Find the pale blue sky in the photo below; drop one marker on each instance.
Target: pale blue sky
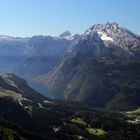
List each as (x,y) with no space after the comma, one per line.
(52,17)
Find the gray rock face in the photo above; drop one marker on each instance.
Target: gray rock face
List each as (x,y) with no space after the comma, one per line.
(113,33)
(96,67)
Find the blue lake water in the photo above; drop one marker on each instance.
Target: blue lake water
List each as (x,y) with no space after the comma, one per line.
(43,89)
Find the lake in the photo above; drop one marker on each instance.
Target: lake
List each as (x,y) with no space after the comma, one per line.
(43,89)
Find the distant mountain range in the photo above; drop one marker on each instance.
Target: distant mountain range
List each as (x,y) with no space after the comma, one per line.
(33,55)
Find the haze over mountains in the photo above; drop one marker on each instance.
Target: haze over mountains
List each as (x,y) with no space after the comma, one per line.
(35,55)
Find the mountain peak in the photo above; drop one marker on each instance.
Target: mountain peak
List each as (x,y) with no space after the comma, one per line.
(107,28)
(68,36)
(116,34)
(107,25)
(65,34)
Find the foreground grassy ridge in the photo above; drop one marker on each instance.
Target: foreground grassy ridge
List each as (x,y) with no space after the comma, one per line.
(96,131)
(93,131)
(11,94)
(79,121)
(134,116)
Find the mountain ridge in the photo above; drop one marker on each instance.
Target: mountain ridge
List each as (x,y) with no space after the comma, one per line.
(80,71)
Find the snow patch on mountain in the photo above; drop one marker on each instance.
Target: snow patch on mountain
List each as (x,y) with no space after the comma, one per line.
(103,36)
(70,37)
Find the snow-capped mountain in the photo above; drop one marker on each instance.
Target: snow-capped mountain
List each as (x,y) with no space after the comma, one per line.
(114,33)
(100,68)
